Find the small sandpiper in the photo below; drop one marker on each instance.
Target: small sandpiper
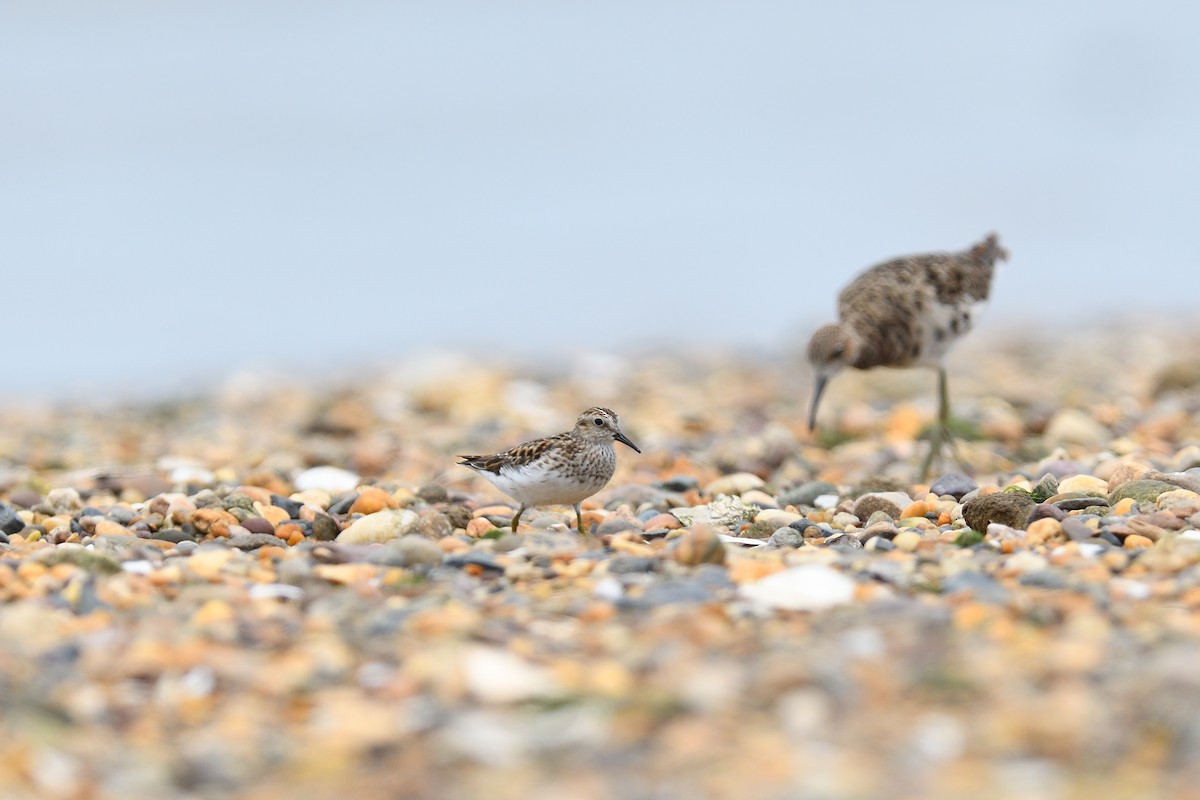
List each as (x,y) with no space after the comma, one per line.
(907,312)
(566,468)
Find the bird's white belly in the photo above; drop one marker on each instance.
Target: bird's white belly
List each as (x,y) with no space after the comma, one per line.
(538,485)
(941,331)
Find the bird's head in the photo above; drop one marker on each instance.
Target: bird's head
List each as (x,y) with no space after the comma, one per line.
(602,424)
(831,349)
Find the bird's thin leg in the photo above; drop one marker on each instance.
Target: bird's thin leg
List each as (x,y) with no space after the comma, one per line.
(517,519)
(941,431)
(579,518)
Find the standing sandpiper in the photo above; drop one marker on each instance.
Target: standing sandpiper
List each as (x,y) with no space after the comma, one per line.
(566,468)
(906,313)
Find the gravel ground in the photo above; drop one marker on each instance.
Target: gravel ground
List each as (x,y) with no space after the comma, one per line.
(281,588)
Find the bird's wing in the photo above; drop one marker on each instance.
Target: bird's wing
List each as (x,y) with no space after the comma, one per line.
(517,457)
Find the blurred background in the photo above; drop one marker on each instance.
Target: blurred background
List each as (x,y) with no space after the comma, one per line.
(192,190)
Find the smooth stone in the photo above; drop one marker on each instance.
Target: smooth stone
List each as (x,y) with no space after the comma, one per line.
(253,541)
(735,483)
(1076,501)
(410,550)
(1045,511)
(334,480)
(24,497)
(777,517)
(64,500)
(806,494)
(802,524)
(173,535)
(638,496)
(10,522)
(292,507)
(343,503)
(1183,480)
(623,565)
(1086,484)
(908,541)
(1072,426)
(1043,579)
(885,528)
(613,524)
(954,484)
(324,528)
(501,677)
(879,543)
(474,558)
(810,587)
(1045,488)
(1006,508)
(757,497)
(670,592)
(826,502)
(786,537)
(1178,497)
(432,493)
(891,503)
(700,545)
(678,483)
(382,526)
(1140,491)
(258,525)
(982,587)
(848,540)
(1077,530)
(1186,458)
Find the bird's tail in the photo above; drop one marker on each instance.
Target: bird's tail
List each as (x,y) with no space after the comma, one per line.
(988,251)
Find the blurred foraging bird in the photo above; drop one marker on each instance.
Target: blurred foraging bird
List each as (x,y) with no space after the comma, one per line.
(907,312)
(566,468)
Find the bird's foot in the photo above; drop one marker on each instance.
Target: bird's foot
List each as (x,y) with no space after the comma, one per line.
(940,437)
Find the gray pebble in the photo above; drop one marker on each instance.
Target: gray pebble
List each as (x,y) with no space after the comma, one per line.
(954,484)
(1044,579)
(432,493)
(806,493)
(1077,530)
(670,592)
(9,521)
(172,535)
(679,483)
(982,587)
(621,565)
(409,550)
(786,537)
(253,541)
(1046,511)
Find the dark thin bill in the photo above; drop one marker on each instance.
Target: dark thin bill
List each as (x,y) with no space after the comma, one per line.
(818,389)
(623,439)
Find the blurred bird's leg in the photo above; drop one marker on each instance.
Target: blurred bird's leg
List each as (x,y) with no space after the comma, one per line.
(941,430)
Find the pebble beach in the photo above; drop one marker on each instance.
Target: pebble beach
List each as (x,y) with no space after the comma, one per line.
(287,588)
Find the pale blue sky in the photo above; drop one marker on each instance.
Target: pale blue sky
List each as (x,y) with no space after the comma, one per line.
(193,187)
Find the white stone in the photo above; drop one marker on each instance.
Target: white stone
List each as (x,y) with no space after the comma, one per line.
(382,526)
(825,501)
(736,483)
(498,676)
(777,517)
(809,587)
(1072,426)
(275,591)
(608,589)
(332,479)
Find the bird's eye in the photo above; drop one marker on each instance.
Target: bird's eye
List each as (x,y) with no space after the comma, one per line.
(598,421)
(838,349)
